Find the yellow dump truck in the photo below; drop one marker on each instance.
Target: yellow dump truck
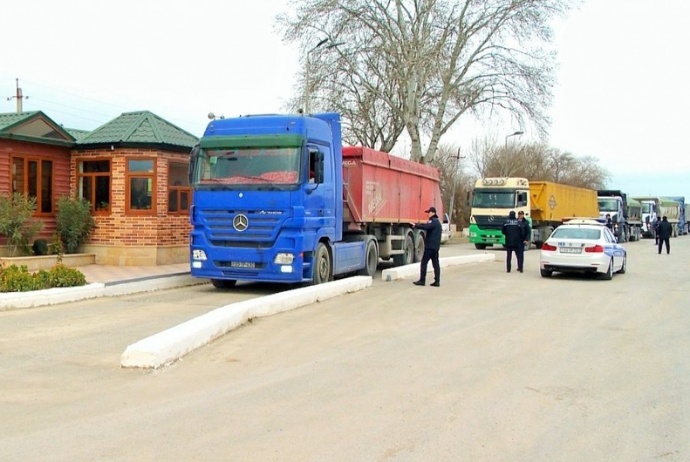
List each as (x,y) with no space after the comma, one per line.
(545,204)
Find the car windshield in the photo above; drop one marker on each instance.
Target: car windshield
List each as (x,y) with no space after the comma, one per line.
(265,165)
(570,232)
(493,198)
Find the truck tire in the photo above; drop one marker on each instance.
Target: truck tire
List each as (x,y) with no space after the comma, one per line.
(371,259)
(480,246)
(407,256)
(223,283)
(419,247)
(322,265)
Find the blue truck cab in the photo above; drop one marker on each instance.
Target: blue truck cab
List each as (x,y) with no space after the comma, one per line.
(267,202)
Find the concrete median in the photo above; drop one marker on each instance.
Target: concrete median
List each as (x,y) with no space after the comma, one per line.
(170,345)
(401,272)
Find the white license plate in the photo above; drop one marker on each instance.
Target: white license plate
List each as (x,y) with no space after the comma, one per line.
(242,264)
(570,250)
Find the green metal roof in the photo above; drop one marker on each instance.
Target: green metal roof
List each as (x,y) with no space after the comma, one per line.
(11,119)
(77,133)
(34,126)
(141,127)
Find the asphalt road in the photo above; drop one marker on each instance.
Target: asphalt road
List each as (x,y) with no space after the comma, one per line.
(489,367)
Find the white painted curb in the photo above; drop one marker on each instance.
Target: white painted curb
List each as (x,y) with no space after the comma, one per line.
(171,344)
(13,300)
(54,296)
(401,272)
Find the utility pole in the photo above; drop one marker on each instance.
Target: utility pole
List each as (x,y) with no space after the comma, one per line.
(19,96)
(457,158)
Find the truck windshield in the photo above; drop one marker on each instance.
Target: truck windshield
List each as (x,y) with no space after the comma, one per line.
(493,199)
(646,207)
(243,166)
(608,205)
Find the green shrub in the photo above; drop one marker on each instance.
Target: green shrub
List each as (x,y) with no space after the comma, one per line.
(74,222)
(64,276)
(17,222)
(40,247)
(18,279)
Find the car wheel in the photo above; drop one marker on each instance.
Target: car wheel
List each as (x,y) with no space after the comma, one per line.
(546,273)
(223,283)
(624,265)
(608,275)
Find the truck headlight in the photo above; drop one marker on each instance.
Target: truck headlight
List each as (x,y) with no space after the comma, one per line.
(284,259)
(198,254)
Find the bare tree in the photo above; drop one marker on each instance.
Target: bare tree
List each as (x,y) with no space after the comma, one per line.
(536,161)
(419,65)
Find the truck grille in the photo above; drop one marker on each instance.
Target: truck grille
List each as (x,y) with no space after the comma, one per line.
(241,228)
(490,222)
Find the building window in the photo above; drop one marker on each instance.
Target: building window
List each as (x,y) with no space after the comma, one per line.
(93,183)
(179,191)
(141,185)
(34,178)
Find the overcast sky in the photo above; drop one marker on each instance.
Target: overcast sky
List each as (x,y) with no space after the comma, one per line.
(622,93)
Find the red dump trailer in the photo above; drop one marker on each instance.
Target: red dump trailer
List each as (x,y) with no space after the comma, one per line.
(383,195)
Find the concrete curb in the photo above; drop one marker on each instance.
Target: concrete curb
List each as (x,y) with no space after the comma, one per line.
(401,272)
(36,298)
(171,344)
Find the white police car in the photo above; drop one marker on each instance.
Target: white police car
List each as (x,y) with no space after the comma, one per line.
(583,246)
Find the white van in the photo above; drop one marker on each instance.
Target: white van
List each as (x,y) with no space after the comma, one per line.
(445,229)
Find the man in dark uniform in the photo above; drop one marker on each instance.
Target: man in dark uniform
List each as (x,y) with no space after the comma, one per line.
(515,241)
(432,243)
(526,229)
(663,233)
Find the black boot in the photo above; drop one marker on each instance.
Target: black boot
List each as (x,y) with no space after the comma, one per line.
(419,283)
(435,284)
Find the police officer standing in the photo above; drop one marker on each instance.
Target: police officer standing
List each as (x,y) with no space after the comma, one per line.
(432,244)
(515,241)
(526,229)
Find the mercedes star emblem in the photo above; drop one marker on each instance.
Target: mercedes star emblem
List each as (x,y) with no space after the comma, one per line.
(240,222)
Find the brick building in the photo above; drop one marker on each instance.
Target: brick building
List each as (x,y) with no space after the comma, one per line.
(133,171)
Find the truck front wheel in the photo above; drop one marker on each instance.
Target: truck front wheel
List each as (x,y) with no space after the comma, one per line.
(322,265)
(223,283)
(480,246)
(371,260)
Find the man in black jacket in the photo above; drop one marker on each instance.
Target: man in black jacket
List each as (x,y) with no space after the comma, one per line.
(432,243)
(515,234)
(664,231)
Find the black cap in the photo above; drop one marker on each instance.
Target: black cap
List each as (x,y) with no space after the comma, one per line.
(511,214)
(430,209)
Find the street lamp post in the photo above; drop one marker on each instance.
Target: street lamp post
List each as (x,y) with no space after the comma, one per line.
(517,133)
(306,77)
